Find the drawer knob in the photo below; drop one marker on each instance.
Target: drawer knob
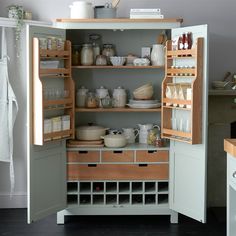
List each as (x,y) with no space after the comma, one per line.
(234,174)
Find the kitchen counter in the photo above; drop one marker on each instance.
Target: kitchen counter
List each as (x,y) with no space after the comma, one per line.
(230,146)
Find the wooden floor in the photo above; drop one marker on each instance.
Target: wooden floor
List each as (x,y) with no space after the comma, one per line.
(13,222)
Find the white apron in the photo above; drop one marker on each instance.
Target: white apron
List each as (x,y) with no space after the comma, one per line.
(8,112)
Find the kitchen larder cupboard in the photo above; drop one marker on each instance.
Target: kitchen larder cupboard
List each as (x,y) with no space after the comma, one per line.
(47,164)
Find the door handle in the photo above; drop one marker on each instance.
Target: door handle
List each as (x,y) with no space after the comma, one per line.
(234,174)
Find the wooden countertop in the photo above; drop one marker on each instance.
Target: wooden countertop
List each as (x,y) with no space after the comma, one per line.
(230,146)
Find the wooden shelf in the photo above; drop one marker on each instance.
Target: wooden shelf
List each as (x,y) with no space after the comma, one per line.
(176,101)
(39,104)
(58,134)
(182,53)
(222,92)
(117,110)
(117,67)
(60,54)
(191,72)
(194,106)
(118,20)
(177,108)
(59,71)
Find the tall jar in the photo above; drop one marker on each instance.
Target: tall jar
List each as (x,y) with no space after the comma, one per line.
(81,96)
(87,55)
(108,51)
(76,55)
(120,97)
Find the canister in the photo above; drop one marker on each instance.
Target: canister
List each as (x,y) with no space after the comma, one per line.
(65,124)
(56,125)
(47,129)
(87,54)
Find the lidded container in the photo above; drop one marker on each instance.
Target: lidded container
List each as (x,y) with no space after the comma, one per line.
(81,95)
(108,51)
(87,54)
(101,93)
(81,10)
(95,41)
(76,55)
(91,100)
(120,97)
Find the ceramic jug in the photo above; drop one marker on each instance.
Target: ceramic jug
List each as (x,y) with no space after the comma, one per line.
(158,55)
(130,134)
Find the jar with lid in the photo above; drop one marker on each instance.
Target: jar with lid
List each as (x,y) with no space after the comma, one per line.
(108,51)
(120,97)
(81,96)
(91,100)
(95,41)
(76,55)
(87,54)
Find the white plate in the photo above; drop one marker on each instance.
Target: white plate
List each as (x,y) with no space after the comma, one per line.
(144,105)
(131,101)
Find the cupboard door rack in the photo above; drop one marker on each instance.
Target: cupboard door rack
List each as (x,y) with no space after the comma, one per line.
(43,104)
(176,109)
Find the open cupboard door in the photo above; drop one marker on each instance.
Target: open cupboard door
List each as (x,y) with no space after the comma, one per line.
(188,159)
(46,163)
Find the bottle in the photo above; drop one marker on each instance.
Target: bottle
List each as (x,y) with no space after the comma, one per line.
(190,40)
(180,43)
(185,41)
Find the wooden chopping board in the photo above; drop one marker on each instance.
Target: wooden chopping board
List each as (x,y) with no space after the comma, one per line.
(82,143)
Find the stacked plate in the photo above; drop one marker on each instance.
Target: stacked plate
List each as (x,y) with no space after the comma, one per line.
(145,104)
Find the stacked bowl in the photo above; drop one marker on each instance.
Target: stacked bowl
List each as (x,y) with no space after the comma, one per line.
(144,92)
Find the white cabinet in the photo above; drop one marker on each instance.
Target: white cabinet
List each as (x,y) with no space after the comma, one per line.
(187,164)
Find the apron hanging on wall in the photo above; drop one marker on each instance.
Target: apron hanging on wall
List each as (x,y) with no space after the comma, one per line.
(8,112)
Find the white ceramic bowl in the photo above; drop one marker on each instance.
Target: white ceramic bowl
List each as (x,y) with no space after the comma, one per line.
(118,61)
(144,92)
(219,84)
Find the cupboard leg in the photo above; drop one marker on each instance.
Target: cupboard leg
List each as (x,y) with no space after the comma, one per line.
(174,218)
(60,218)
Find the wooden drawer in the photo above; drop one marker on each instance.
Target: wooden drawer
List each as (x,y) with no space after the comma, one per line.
(118,172)
(83,156)
(118,156)
(152,156)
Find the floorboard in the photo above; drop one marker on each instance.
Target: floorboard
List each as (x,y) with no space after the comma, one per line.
(13,222)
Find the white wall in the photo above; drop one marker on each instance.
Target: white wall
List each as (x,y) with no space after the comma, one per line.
(219,15)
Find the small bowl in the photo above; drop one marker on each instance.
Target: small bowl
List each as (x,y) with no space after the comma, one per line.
(118,61)
(219,84)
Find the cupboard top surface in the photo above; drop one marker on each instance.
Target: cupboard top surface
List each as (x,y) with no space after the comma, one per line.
(230,146)
(118,23)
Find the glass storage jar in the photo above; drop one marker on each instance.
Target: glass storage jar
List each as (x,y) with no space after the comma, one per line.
(87,54)
(76,55)
(91,100)
(108,51)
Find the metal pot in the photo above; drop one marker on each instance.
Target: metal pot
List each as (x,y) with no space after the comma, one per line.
(114,140)
(90,133)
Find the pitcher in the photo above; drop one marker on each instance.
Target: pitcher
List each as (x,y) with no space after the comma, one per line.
(158,55)
(130,134)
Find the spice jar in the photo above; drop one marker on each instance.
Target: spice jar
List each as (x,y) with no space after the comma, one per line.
(91,100)
(75,55)
(108,51)
(87,54)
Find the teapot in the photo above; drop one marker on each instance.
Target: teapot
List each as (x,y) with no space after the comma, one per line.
(130,134)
